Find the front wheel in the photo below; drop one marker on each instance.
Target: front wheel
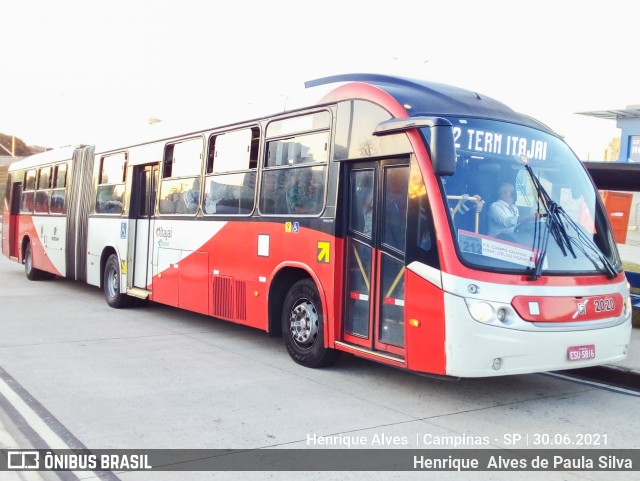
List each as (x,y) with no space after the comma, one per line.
(111,284)
(303,326)
(31,272)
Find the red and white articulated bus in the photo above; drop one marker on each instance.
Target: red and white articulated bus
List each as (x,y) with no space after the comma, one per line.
(363,223)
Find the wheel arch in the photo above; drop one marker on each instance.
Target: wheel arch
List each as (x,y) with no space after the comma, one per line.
(284,277)
(106,253)
(23,246)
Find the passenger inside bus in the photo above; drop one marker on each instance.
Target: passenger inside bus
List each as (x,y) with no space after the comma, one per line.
(57,202)
(218,196)
(272,193)
(109,199)
(42,202)
(27,202)
(304,192)
(192,197)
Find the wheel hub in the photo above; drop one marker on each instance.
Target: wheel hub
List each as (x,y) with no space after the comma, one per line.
(112,284)
(304,323)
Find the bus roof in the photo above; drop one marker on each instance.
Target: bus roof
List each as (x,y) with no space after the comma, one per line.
(425,98)
(47,157)
(431,98)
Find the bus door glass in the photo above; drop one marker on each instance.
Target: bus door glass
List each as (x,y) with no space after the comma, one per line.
(374,304)
(144,195)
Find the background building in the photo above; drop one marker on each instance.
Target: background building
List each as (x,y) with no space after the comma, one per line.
(621,173)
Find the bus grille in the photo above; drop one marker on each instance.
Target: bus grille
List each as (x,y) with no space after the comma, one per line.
(229,298)
(223,297)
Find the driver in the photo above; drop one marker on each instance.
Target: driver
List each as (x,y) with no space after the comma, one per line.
(503,213)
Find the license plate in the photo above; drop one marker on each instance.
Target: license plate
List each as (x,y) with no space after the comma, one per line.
(581,353)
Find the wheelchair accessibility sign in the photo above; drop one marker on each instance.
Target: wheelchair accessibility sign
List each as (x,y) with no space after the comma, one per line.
(292,227)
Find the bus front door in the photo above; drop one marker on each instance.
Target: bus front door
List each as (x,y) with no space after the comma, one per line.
(374,294)
(13,230)
(144,194)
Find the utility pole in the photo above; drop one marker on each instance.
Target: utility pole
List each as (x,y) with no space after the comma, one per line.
(13,147)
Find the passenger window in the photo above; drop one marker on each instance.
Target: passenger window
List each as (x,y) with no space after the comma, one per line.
(180,189)
(44,179)
(294,178)
(30,180)
(42,202)
(60,176)
(110,191)
(28,194)
(232,168)
(303,149)
(59,189)
(43,193)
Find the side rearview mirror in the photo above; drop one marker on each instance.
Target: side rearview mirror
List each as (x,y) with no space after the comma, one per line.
(442,147)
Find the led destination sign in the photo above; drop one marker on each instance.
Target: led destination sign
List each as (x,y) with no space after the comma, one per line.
(481,136)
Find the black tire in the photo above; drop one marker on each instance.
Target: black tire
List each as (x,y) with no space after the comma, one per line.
(31,272)
(111,284)
(303,326)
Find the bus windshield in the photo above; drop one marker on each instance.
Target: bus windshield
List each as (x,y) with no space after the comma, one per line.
(505,216)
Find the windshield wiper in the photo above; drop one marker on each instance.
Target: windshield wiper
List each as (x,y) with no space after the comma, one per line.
(584,242)
(557,219)
(554,224)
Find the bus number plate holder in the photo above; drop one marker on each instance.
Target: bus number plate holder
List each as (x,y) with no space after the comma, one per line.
(581,353)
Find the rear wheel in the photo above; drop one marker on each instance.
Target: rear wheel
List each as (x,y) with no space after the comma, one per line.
(111,284)
(303,326)
(31,272)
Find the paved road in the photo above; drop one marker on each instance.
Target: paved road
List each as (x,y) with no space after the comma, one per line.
(157,377)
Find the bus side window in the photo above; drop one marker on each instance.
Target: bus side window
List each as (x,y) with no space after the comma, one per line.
(231,172)
(28,191)
(43,193)
(293,181)
(59,187)
(304,190)
(272,197)
(181,175)
(110,191)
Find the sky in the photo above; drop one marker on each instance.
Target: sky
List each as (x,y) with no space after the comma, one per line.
(79,71)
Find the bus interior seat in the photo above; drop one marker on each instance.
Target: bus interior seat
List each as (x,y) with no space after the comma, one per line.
(167,206)
(180,205)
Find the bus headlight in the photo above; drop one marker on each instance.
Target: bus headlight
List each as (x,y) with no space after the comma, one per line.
(481,311)
(490,312)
